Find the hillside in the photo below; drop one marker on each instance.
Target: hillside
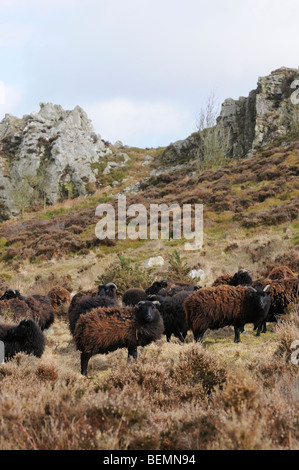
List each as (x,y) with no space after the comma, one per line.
(210,396)
(250,219)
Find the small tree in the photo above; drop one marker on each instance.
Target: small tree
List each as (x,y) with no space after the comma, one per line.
(178,269)
(21,194)
(214,143)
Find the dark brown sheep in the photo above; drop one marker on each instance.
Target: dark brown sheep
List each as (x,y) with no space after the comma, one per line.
(103,330)
(85,304)
(281,272)
(36,307)
(60,298)
(216,307)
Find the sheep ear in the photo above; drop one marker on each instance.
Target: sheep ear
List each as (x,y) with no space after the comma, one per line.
(252,289)
(265,289)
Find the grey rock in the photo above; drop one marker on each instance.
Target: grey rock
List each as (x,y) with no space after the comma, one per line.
(58,144)
(154,261)
(248,123)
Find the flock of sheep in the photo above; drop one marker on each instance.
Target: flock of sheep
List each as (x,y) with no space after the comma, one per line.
(100,322)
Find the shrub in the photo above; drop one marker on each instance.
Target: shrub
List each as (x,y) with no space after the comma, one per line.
(126,275)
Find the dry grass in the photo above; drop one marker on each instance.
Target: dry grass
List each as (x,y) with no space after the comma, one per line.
(218,395)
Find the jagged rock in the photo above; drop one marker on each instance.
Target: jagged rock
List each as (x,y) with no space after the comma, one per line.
(248,123)
(58,145)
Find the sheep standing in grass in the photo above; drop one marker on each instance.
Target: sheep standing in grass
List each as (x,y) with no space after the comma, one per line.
(25,337)
(216,307)
(103,330)
(173,314)
(283,292)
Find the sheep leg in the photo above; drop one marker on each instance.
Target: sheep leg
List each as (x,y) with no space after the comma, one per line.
(258,330)
(132,352)
(198,335)
(84,363)
(237,338)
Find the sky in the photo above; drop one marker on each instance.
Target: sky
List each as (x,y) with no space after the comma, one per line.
(141,69)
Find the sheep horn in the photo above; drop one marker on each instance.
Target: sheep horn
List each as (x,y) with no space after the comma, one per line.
(111,284)
(266,288)
(252,289)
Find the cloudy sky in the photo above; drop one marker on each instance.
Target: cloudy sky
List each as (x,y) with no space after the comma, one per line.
(142,69)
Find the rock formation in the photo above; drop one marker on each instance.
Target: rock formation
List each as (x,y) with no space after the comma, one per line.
(53,147)
(268,113)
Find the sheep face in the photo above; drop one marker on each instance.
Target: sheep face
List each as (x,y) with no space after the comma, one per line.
(260,299)
(155,287)
(11,294)
(146,312)
(241,278)
(108,289)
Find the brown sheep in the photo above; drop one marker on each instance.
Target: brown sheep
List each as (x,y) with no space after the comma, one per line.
(281,272)
(103,330)
(216,307)
(85,304)
(36,307)
(60,298)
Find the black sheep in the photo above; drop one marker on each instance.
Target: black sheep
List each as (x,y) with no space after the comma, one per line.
(167,287)
(103,330)
(133,295)
(25,337)
(173,314)
(108,290)
(283,292)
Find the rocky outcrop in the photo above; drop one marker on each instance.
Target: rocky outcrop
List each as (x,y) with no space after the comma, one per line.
(268,113)
(53,148)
